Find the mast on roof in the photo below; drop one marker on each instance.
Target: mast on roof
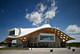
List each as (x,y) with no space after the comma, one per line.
(47,19)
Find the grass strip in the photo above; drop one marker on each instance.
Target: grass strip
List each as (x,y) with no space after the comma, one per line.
(12,49)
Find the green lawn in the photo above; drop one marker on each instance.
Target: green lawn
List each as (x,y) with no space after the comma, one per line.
(12,49)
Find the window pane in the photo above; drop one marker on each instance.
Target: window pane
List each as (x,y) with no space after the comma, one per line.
(12,33)
(46,38)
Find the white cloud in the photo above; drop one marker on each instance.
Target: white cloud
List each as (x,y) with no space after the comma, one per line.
(52,11)
(50,14)
(42,12)
(34,17)
(76,40)
(42,7)
(72,29)
(76,36)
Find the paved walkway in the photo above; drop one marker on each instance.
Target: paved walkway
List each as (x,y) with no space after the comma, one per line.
(43,51)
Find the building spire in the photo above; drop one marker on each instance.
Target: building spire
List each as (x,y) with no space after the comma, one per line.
(46,21)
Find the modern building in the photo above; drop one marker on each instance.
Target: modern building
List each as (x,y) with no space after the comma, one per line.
(44,36)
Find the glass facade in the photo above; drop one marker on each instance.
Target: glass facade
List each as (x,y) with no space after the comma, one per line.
(47,38)
(12,33)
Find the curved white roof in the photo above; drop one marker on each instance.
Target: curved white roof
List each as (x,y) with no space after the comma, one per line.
(24,31)
(30,30)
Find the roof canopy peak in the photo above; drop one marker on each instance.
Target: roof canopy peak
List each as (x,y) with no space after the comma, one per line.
(46,25)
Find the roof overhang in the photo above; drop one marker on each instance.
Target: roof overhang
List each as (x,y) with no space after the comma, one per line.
(64,37)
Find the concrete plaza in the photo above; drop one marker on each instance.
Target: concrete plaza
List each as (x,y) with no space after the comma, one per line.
(43,51)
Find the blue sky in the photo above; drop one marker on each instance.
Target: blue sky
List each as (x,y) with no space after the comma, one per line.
(13,14)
